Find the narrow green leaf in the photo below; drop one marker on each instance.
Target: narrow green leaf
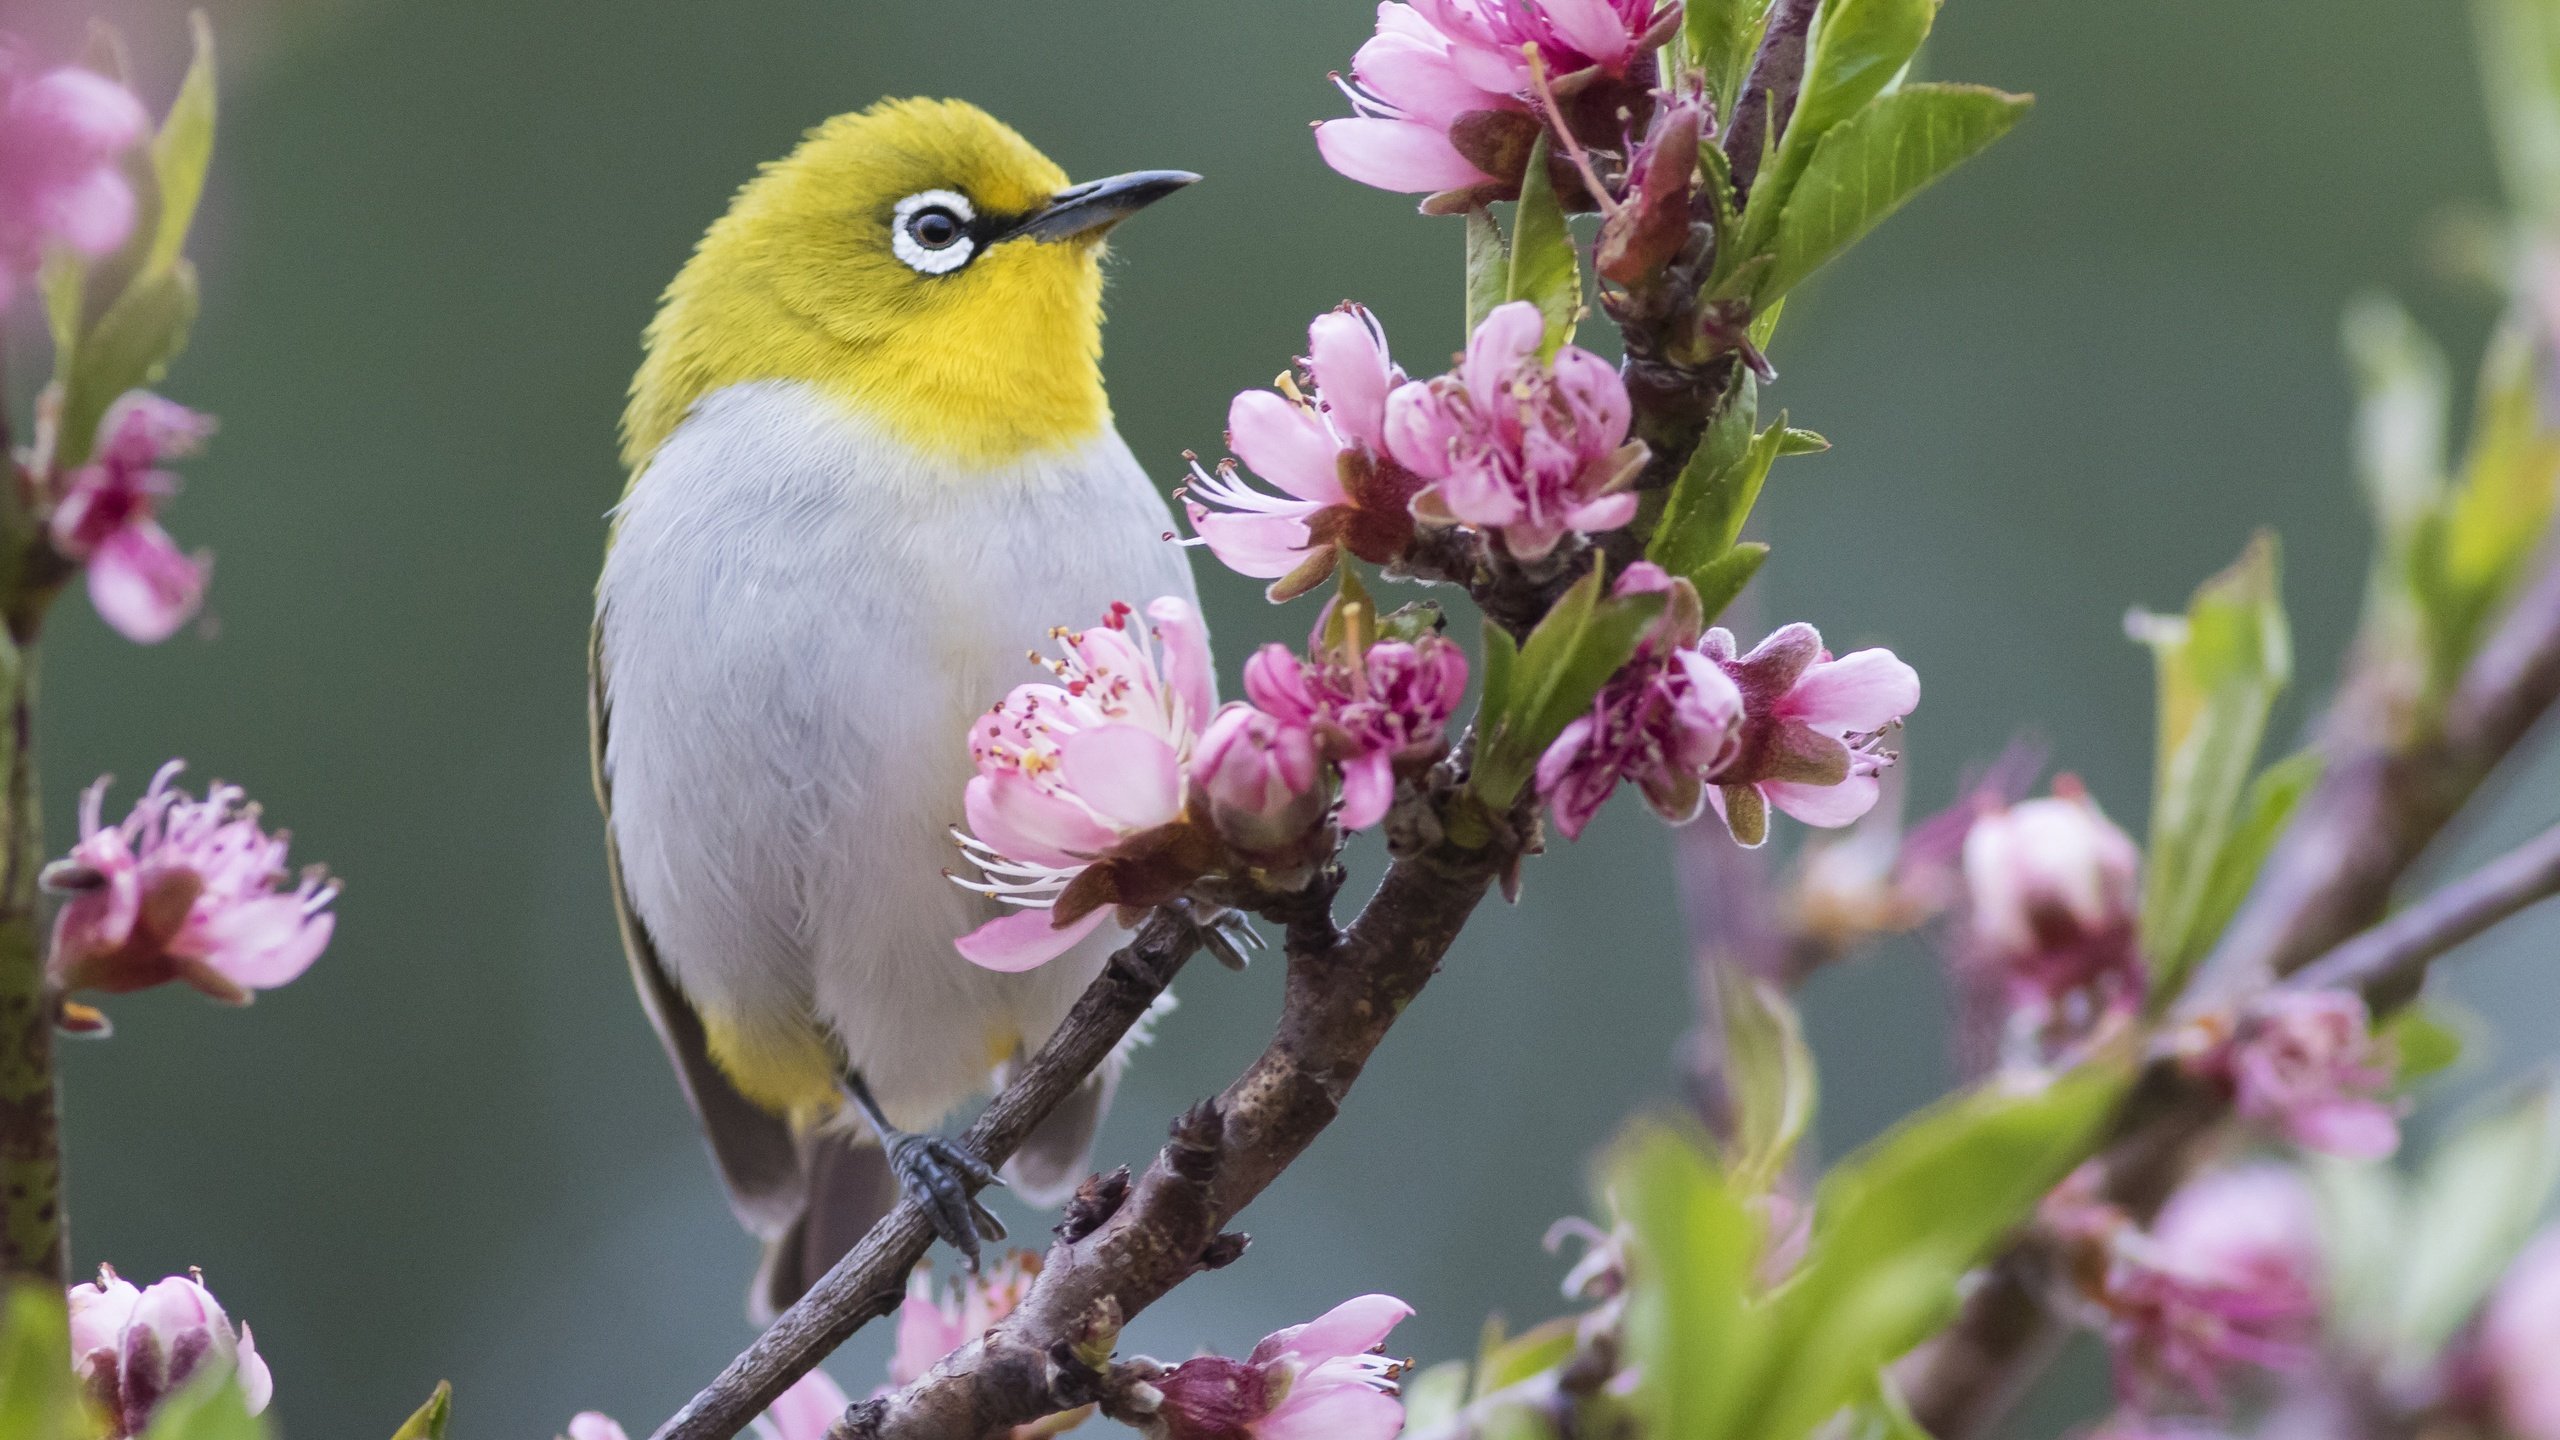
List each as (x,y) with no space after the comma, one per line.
(2474,1206)
(429,1421)
(2220,666)
(1691,1334)
(1770,1074)
(130,347)
(1503,1362)
(1720,36)
(209,1409)
(1500,655)
(2404,394)
(1433,1398)
(2264,812)
(1875,161)
(182,150)
(1488,266)
(1712,499)
(1764,326)
(1545,269)
(1803,442)
(1720,580)
(1572,653)
(1856,49)
(2362,1220)
(2520,70)
(64,282)
(38,1398)
(2498,513)
(2425,1038)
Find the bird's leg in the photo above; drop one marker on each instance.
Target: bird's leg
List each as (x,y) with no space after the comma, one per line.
(937,1174)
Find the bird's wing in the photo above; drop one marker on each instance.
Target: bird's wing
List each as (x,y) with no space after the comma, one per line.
(758,1156)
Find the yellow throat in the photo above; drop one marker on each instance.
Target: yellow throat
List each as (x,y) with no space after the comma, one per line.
(824,271)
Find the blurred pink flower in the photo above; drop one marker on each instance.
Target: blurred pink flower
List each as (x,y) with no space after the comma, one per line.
(1372,713)
(2306,1064)
(1318,1381)
(62,133)
(934,1321)
(1441,96)
(1323,443)
(2519,1342)
(1667,720)
(1527,449)
(2229,1277)
(1068,771)
(806,1411)
(139,580)
(183,889)
(1263,781)
(595,1425)
(1813,726)
(133,1349)
(2053,890)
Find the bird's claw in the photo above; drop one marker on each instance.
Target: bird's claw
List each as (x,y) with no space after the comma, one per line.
(939,1176)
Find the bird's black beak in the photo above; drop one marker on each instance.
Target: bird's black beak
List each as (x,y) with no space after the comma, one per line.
(1097,205)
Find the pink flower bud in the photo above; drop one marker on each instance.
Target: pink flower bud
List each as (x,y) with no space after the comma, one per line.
(105,517)
(933,1322)
(2053,890)
(2229,1278)
(595,1425)
(62,132)
(1527,449)
(2307,1065)
(1262,779)
(186,890)
(133,1349)
(1318,1381)
(2519,1340)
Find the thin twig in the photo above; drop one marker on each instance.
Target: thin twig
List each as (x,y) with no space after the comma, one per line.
(868,1281)
(2386,962)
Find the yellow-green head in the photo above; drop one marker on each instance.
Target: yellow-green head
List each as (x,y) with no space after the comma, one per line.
(918,260)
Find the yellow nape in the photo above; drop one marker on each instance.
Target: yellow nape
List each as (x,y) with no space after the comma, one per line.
(799,281)
(791,1075)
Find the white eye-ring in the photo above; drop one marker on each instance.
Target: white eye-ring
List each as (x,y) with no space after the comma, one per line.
(930,231)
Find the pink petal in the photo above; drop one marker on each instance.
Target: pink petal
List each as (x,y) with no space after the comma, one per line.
(1021,821)
(806,1410)
(1606,513)
(257,1383)
(1418,79)
(142,585)
(1349,362)
(1338,1412)
(267,942)
(92,214)
(1349,1328)
(1131,777)
(1285,444)
(1368,788)
(1592,27)
(1187,666)
(1420,430)
(590,1425)
(1265,546)
(1854,694)
(1598,399)
(1024,940)
(1395,155)
(1828,806)
(75,109)
(2348,1129)
(1509,335)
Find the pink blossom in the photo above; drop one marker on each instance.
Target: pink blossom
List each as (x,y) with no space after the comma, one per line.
(139,580)
(2053,890)
(934,1321)
(184,889)
(1263,781)
(133,1349)
(2306,1064)
(62,133)
(1374,713)
(2229,1277)
(2519,1338)
(806,1411)
(1442,97)
(1320,1381)
(1812,729)
(1528,449)
(1323,443)
(1069,771)
(1667,720)
(595,1425)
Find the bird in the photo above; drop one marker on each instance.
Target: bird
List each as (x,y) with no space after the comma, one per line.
(870,464)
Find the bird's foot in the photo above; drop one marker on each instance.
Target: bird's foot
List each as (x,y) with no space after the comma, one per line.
(939,1176)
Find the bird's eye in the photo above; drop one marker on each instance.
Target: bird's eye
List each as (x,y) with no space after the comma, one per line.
(930,231)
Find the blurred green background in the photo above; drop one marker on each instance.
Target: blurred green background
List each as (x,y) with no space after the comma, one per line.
(2070,380)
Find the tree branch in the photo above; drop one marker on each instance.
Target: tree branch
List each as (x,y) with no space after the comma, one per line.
(868,1282)
(1130,1245)
(2386,962)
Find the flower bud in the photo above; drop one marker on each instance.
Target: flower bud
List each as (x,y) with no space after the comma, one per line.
(2307,1065)
(2053,890)
(1262,780)
(133,1349)
(1318,1381)
(2229,1278)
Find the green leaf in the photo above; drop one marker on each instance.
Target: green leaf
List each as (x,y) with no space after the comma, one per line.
(1803,442)
(1720,36)
(1572,653)
(1502,1363)
(2361,1224)
(130,347)
(2474,1206)
(209,1409)
(1500,657)
(1720,580)
(1770,1073)
(2264,812)
(429,1421)
(1897,1225)
(2501,508)
(64,282)
(1856,49)
(1545,269)
(1488,266)
(1434,1397)
(39,1400)
(182,150)
(2425,1038)
(2404,394)
(1692,1339)
(2221,666)
(2520,68)
(1708,506)
(1874,162)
